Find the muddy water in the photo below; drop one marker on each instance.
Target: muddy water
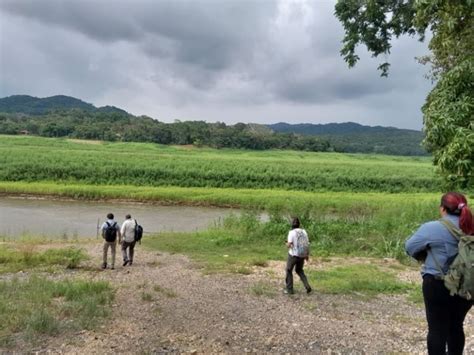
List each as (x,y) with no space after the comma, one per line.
(79,219)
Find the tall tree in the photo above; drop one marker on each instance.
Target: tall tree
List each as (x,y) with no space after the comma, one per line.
(448,113)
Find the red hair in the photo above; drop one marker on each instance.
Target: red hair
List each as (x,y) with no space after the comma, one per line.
(456,204)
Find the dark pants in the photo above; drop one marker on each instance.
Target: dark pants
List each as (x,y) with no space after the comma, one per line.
(130,246)
(445,315)
(296,263)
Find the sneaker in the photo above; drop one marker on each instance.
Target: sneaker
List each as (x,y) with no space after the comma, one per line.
(125,262)
(288,292)
(309,290)
(104,266)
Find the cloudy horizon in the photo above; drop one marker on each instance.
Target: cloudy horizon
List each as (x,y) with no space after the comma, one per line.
(229,61)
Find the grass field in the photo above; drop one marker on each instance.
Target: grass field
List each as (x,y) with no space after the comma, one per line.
(32,159)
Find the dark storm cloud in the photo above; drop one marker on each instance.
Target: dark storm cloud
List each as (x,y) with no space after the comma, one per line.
(208,34)
(172,57)
(105,21)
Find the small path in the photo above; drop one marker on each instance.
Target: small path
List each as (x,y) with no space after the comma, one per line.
(184,310)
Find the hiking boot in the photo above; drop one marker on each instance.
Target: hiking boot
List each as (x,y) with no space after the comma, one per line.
(112,268)
(288,292)
(130,263)
(104,266)
(125,262)
(309,290)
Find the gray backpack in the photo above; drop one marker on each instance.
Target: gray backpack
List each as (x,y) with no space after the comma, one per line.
(302,244)
(459,279)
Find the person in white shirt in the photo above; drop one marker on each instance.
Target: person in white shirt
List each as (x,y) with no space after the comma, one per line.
(128,235)
(298,252)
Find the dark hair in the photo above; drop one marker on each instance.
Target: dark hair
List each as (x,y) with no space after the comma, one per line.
(127,216)
(456,204)
(110,215)
(295,223)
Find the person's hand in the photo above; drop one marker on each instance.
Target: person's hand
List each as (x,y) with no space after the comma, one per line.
(307,259)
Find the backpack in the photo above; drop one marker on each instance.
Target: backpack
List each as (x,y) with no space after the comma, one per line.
(110,232)
(459,279)
(302,244)
(138,232)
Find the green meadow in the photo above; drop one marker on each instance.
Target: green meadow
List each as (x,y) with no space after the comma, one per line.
(34,159)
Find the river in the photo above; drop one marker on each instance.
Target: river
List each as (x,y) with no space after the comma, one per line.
(79,219)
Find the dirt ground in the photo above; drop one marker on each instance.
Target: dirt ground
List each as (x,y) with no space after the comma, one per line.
(166,304)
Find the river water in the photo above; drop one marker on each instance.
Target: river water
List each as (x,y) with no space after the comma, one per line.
(79,219)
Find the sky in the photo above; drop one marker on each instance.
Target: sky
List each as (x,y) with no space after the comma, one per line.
(260,61)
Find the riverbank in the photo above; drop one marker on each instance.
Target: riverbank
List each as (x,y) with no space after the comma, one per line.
(165,303)
(362,224)
(268,199)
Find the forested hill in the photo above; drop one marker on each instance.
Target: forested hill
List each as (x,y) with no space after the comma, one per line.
(39,106)
(63,116)
(353,137)
(335,128)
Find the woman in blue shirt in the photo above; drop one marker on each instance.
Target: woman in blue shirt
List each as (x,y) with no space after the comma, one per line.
(445,313)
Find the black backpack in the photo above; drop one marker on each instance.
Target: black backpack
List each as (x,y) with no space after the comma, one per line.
(110,232)
(138,232)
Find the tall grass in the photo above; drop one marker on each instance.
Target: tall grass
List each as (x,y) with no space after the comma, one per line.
(39,306)
(245,241)
(34,159)
(21,256)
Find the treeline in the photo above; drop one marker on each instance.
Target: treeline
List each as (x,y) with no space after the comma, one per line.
(121,127)
(117,126)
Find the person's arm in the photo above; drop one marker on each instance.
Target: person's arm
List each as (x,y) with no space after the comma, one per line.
(418,243)
(102,230)
(119,234)
(309,250)
(122,230)
(289,241)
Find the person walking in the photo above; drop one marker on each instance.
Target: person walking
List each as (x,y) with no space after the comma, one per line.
(298,252)
(128,242)
(437,247)
(110,232)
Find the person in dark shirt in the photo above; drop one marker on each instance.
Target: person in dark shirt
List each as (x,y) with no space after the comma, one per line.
(110,233)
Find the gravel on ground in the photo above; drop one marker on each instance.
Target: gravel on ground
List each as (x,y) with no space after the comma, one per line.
(166,304)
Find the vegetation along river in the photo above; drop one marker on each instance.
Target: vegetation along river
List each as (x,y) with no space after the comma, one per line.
(79,219)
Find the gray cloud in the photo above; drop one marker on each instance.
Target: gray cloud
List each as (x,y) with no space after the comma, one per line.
(207,59)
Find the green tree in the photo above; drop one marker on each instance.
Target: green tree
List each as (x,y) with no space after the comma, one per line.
(449,108)
(449,124)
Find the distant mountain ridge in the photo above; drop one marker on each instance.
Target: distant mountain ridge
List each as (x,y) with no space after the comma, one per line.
(333,128)
(353,137)
(39,106)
